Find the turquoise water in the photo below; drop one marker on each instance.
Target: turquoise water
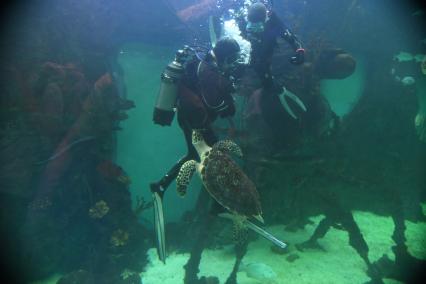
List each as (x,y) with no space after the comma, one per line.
(343,184)
(144,148)
(344,94)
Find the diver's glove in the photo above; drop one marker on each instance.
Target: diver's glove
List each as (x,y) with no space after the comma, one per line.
(299,57)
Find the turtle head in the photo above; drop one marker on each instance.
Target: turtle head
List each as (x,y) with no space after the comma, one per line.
(198,142)
(197,136)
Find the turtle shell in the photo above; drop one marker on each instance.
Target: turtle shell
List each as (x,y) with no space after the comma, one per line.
(229,185)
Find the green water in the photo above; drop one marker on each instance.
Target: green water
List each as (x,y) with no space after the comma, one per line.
(343,94)
(145,150)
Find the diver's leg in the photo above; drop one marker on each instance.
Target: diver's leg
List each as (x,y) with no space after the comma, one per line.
(171,175)
(240,252)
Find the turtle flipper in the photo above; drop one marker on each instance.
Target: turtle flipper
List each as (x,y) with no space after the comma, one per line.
(228,146)
(239,232)
(184,176)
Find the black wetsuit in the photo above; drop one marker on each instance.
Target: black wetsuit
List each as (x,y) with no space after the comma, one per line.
(204,94)
(264,43)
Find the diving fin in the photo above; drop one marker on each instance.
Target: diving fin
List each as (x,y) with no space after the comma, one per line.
(294,98)
(265,234)
(215,29)
(159,225)
(257,229)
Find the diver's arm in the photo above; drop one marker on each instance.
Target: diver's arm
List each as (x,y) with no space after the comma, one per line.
(292,39)
(284,31)
(289,37)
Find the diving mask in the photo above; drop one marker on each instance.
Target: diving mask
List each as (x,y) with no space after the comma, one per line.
(255,27)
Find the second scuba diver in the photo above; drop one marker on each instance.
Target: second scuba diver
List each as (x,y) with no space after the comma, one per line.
(263,29)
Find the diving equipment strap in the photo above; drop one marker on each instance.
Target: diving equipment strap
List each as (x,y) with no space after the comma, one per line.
(159,225)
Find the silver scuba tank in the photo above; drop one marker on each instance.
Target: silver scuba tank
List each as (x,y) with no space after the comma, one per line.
(164,110)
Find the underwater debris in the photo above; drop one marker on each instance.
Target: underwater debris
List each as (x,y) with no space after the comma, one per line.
(119,238)
(99,210)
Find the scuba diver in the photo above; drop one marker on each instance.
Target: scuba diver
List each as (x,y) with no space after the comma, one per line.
(198,85)
(262,29)
(200,94)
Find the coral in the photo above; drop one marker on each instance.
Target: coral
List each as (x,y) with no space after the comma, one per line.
(141,205)
(124,179)
(99,210)
(111,171)
(119,238)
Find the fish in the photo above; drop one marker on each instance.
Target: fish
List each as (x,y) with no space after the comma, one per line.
(419,57)
(403,56)
(408,81)
(259,271)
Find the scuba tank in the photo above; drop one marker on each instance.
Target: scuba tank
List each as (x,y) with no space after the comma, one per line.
(164,110)
(171,77)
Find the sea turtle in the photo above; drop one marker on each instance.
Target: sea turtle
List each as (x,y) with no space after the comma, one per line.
(223,178)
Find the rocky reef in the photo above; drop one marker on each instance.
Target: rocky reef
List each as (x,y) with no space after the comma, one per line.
(65,203)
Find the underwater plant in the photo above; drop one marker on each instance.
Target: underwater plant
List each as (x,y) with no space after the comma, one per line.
(141,205)
(119,238)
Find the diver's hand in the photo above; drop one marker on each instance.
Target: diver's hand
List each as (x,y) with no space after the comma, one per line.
(299,57)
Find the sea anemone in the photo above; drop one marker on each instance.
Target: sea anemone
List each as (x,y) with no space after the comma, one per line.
(119,238)
(99,210)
